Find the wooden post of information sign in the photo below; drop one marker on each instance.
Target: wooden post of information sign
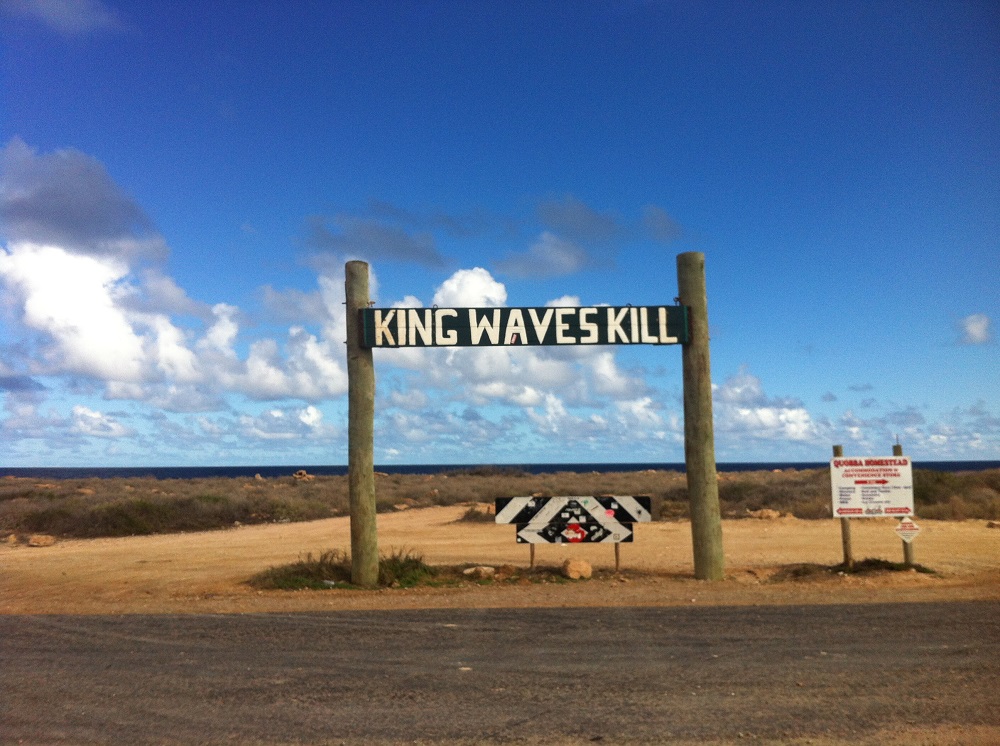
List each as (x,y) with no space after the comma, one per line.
(845,523)
(361,433)
(699,436)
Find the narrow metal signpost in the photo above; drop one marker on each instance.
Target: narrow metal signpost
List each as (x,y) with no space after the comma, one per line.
(685,324)
(907,532)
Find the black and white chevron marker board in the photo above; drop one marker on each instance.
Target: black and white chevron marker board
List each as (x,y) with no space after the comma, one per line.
(603,509)
(584,532)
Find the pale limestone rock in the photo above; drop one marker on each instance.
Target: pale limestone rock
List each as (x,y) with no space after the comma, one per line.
(577,569)
(482,572)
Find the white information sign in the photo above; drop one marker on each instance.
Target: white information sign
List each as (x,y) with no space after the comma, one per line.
(872,486)
(907,530)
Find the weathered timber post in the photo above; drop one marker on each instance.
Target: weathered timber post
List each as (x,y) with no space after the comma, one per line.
(845,523)
(897,450)
(699,436)
(360,433)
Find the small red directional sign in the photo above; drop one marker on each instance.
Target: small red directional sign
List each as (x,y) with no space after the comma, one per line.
(907,530)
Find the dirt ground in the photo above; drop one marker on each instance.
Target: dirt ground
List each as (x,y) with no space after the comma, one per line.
(206,572)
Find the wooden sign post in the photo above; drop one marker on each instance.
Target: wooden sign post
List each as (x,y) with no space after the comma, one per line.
(360,433)
(872,487)
(699,435)
(685,324)
(845,524)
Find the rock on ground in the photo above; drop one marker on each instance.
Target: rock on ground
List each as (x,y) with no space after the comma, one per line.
(577,569)
(482,572)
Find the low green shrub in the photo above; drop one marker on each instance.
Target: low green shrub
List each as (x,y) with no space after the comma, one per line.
(328,569)
(332,569)
(403,569)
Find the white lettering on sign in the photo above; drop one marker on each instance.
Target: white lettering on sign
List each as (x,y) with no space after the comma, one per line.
(562,326)
(515,333)
(382,333)
(646,338)
(444,337)
(490,326)
(541,325)
(615,325)
(589,326)
(420,323)
(465,327)
(665,338)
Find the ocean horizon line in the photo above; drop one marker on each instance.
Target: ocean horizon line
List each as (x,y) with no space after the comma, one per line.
(280,470)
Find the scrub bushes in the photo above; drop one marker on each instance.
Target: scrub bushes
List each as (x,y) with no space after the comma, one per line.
(127,506)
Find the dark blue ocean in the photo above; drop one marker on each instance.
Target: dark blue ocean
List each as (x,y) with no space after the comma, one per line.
(191,472)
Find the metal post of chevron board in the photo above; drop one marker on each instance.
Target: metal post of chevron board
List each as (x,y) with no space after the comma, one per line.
(699,436)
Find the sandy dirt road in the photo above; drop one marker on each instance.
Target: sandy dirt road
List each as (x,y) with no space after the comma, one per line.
(781,675)
(206,572)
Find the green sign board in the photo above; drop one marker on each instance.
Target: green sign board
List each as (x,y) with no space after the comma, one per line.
(488,327)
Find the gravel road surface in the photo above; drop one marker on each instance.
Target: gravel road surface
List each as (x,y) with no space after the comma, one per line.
(876,673)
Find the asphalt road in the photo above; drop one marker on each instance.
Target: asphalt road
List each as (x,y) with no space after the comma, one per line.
(500,676)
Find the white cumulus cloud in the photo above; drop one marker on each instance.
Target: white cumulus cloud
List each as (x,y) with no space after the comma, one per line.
(471,288)
(88,422)
(73,299)
(743,410)
(81,272)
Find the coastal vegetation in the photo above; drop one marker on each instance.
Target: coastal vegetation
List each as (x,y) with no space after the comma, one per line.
(85,508)
(332,568)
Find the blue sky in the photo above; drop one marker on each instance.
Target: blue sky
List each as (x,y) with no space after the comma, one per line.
(181,184)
